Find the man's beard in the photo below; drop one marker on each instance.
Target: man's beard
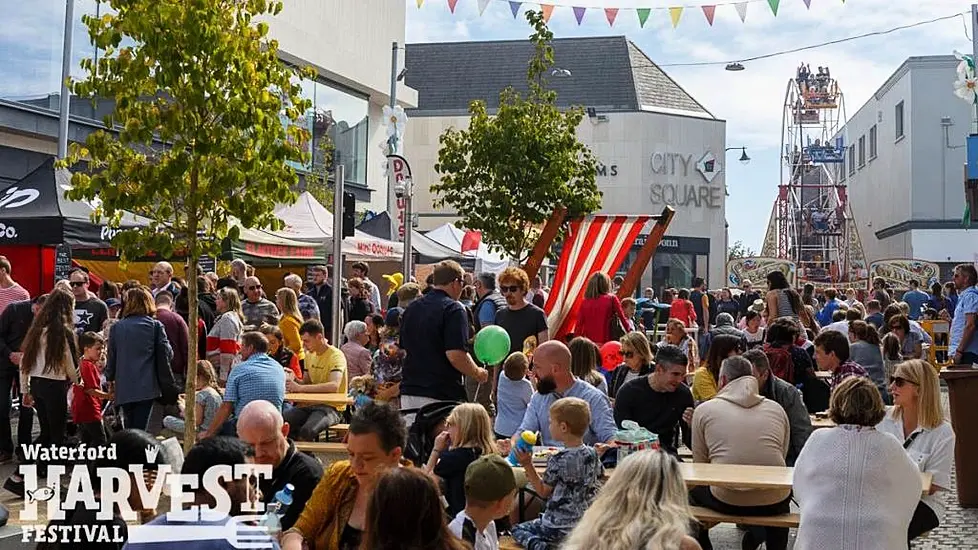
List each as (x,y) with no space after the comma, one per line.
(546,386)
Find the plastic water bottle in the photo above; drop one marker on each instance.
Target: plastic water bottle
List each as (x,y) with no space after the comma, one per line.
(525,444)
(272,519)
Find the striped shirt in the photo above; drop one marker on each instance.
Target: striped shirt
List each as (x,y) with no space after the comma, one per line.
(11,294)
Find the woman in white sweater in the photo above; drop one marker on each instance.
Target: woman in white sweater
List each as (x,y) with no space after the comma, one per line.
(917,421)
(855,486)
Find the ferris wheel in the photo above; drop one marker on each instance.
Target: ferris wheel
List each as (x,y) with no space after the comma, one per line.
(811,223)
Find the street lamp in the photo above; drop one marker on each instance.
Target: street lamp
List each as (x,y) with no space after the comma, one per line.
(734,67)
(744,159)
(557,71)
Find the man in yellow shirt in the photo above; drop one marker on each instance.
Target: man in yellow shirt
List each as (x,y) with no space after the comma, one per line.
(325,368)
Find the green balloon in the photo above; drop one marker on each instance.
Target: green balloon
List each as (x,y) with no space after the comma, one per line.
(492,345)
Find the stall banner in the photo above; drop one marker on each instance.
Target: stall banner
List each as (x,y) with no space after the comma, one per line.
(898,272)
(756,270)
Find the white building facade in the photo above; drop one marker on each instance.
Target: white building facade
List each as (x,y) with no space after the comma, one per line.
(657,146)
(904,166)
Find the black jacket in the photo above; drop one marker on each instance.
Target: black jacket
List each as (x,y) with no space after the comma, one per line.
(495,298)
(324,299)
(618,377)
(303,472)
(791,401)
(14,322)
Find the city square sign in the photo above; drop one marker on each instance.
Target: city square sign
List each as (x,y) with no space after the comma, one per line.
(680,179)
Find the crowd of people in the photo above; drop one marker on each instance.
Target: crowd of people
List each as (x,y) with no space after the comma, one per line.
(733,378)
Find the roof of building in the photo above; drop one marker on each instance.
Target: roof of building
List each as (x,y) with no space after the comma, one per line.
(609,73)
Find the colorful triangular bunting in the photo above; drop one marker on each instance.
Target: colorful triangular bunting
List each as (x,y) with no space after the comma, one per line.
(419,3)
(482,5)
(515,8)
(709,12)
(579,14)
(808,4)
(548,10)
(774,6)
(675,13)
(451,5)
(611,14)
(643,15)
(741,10)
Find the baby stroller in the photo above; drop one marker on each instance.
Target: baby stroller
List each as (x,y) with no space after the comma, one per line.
(421,435)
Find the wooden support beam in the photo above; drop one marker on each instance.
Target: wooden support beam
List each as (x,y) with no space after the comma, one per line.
(547,236)
(645,255)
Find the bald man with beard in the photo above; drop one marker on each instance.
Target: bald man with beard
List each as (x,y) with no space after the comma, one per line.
(552,367)
(262,427)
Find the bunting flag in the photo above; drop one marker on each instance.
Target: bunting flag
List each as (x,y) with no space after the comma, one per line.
(643,16)
(579,14)
(675,14)
(515,8)
(548,10)
(709,12)
(741,11)
(611,13)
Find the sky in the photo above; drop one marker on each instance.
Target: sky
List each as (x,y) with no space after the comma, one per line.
(751,101)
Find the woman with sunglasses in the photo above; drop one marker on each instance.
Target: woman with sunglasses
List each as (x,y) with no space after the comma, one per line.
(911,344)
(917,419)
(637,361)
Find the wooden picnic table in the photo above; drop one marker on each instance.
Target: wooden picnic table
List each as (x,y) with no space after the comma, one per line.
(821,423)
(332,399)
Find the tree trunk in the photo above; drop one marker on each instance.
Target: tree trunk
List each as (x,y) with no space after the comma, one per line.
(190,429)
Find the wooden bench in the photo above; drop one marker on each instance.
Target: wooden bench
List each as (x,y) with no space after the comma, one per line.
(710,518)
(339,430)
(326,449)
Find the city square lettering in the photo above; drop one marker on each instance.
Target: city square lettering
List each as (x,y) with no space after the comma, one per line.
(681,166)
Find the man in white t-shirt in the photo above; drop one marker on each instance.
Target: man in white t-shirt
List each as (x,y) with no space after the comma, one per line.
(490,486)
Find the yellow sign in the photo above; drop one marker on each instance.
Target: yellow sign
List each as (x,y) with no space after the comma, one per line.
(756,269)
(898,273)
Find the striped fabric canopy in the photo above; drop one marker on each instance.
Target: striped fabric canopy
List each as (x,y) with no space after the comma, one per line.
(594,244)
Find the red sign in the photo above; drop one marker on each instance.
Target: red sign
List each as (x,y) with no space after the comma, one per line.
(278,251)
(373,248)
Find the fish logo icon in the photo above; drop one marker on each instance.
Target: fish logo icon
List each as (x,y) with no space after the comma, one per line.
(42,494)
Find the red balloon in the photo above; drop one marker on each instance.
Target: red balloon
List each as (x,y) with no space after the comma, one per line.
(611,355)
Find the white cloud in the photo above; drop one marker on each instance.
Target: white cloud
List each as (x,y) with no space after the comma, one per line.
(752,101)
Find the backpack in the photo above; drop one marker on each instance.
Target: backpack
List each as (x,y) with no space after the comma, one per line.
(421,435)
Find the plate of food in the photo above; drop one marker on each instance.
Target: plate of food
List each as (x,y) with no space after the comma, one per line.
(542,453)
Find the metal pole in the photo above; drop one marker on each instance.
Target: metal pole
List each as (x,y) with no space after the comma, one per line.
(974,59)
(337,254)
(408,228)
(65,73)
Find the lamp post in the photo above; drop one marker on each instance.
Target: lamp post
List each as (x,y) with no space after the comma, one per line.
(744,159)
(65,73)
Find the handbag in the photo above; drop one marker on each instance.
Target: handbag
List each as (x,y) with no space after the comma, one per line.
(169,393)
(616,328)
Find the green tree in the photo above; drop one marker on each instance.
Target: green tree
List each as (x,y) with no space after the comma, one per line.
(205,119)
(739,250)
(507,173)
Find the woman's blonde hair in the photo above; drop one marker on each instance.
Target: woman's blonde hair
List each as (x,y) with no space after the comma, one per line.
(205,371)
(474,427)
(638,342)
(138,302)
(930,414)
(650,487)
(598,285)
(232,300)
(290,303)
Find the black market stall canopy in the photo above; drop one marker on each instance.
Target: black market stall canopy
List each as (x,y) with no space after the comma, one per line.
(34,211)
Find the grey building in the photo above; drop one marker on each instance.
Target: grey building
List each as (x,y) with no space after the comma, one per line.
(904,166)
(650,135)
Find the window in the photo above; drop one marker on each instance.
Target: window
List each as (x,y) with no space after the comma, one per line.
(872,142)
(842,170)
(862,151)
(852,159)
(898,120)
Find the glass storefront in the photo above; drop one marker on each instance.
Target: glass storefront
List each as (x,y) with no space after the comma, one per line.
(30,73)
(677,260)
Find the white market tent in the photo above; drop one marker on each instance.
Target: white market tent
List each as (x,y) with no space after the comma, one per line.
(450,237)
(308,221)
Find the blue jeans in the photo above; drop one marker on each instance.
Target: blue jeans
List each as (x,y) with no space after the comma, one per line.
(136,415)
(532,535)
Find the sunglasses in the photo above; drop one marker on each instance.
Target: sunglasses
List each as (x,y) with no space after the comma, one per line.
(514,288)
(76,284)
(900,382)
(628,354)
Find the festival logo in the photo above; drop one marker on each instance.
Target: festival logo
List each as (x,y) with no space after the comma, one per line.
(107,491)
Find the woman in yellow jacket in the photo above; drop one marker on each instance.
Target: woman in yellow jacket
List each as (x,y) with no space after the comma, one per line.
(706,378)
(291,320)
